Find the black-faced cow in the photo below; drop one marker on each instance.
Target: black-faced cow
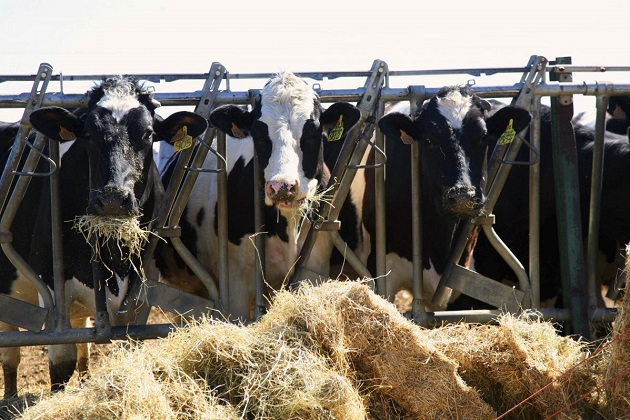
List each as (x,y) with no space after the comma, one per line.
(454,133)
(512,216)
(286,128)
(108,172)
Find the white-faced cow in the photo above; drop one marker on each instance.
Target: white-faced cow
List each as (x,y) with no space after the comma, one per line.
(286,128)
(512,217)
(108,172)
(454,131)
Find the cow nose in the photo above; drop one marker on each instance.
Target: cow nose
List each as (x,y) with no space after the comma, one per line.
(462,201)
(280,191)
(114,202)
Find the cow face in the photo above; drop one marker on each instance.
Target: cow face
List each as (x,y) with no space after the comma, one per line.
(454,134)
(287,126)
(117,131)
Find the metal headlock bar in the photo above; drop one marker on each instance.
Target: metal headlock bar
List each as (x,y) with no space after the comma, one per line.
(188,167)
(19,313)
(371,99)
(341,179)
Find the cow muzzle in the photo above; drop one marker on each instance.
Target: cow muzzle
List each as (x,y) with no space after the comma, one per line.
(463,202)
(113,202)
(282,193)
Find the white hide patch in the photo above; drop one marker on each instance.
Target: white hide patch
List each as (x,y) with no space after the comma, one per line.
(287,102)
(454,108)
(119,100)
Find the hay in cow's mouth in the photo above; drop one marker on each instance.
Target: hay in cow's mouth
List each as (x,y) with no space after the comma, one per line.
(124,231)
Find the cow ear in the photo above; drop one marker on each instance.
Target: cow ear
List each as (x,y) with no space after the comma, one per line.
(400,127)
(57,123)
(232,120)
(338,119)
(168,128)
(498,123)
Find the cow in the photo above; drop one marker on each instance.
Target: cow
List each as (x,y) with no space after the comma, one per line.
(618,113)
(108,172)
(453,130)
(512,216)
(286,128)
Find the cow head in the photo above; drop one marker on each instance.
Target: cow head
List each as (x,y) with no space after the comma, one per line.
(288,126)
(454,132)
(117,129)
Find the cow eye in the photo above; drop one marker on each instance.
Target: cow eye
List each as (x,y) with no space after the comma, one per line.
(148,135)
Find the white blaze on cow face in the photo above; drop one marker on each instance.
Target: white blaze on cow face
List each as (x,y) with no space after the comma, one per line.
(287,102)
(454,108)
(119,100)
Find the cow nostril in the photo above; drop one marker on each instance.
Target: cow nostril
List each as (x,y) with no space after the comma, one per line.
(282,191)
(294,188)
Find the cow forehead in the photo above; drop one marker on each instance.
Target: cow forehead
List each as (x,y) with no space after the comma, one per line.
(119,102)
(286,103)
(454,106)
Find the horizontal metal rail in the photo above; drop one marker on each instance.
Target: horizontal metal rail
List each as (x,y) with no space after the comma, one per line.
(336,95)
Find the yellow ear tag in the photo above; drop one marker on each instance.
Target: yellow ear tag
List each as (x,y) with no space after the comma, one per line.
(66,134)
(508,135)
(181,140)
(337,131)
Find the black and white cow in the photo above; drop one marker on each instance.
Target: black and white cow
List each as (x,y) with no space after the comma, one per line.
(286,128)
(454,132)
(512,216)
(108,172)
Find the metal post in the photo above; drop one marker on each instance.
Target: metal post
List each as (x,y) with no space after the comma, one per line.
(568,209)
(601,102)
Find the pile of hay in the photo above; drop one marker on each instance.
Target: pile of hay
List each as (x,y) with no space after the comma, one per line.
(521,366)
(338,351)
(617,376)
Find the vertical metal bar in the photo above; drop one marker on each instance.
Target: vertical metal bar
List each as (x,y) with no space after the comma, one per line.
(568,210)
(534,207)
(379,211)
(418,304)
(222,221)
(259,241)
(61,306)
(601,102)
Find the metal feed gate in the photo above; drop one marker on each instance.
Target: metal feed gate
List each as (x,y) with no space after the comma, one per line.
(370,99)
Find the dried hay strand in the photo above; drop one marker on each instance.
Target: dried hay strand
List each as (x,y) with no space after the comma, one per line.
(509,362)
(210,370)
(617,374)
(367,339)
(125,231)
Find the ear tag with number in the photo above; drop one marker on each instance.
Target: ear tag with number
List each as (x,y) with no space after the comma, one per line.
(181,140)
(66,134)
(508,135)
(337,131)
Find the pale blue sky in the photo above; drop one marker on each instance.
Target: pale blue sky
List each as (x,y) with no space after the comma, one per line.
(110,37)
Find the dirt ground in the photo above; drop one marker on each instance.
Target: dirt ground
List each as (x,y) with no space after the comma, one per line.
(33,378)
